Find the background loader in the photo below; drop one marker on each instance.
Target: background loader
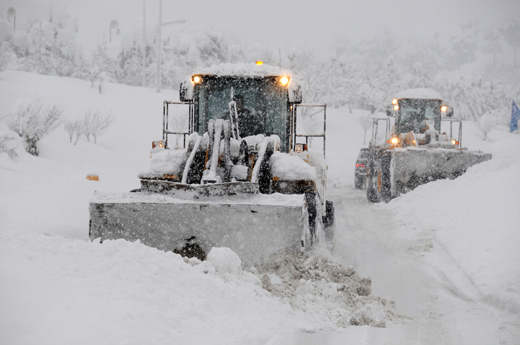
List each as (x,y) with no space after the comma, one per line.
(213,186)
(414,151)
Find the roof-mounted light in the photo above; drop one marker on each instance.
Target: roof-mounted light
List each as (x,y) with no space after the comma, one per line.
(196,79)
(284,80)
(444,108)
(259,62)
(394,101)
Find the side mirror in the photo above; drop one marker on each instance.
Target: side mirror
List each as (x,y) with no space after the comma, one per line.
(186,91)
(295,93)
(390,111)
(450,112)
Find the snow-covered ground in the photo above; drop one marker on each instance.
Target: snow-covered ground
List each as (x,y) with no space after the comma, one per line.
(446,253)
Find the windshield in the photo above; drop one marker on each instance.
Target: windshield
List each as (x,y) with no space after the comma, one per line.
(263,98)
(413,114)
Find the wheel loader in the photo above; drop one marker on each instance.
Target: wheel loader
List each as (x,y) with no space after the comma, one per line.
(414,150)
(234,169)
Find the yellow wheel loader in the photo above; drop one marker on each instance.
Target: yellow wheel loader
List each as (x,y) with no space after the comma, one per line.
(237,175)
(415,151)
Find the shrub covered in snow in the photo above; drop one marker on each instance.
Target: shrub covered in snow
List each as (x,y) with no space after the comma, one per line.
(486,123)
(32,121)
(5,146)
(95,123)
(73,128)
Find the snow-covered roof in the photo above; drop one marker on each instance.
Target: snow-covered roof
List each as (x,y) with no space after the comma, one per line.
(420,93)
(242,70)
(246,70)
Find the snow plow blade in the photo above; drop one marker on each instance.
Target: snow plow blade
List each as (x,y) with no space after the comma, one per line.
(409,164)
(253,227)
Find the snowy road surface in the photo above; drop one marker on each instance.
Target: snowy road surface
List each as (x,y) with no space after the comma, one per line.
(435,302)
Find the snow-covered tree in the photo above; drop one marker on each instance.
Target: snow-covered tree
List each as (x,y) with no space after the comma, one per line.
(380,83)
(486,123)
(95,123)
(74,128)
(32,121)
(464,46)
(101,62)
(5,147)
(365,121)
(492,45)
(311,74)
(512,36)
(471,96)
(41,59)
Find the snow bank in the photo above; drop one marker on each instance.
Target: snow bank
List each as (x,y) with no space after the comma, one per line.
(61,291)
(476,218)
(225,261)
(324,289)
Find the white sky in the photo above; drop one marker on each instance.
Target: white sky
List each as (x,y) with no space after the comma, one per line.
(281,24)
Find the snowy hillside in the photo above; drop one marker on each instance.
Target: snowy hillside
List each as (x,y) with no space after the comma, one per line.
(57,287)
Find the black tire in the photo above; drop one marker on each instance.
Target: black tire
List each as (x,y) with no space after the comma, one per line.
(328,219)
(311,209)
(386,183)
(328,226)
(372,192)
(358,183)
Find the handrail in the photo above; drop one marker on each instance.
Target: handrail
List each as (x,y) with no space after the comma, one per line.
(166,130)
(295,135)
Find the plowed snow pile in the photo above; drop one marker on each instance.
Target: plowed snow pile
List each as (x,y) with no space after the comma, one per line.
(324,289)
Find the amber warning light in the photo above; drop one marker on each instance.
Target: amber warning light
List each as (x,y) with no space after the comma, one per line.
(259,62)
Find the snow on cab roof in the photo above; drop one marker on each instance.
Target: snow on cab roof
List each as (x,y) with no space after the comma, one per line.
(419,94)
(242,70)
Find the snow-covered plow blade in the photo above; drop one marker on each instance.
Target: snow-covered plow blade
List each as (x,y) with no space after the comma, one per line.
(410,167)
(253,226)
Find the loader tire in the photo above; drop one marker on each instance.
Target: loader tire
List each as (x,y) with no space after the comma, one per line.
(311,209)
(358,183)
(328,226)
(372,192)
(328,219)
(386,183)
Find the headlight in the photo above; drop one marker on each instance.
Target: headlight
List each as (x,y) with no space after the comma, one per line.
(196,79)
(396,107)
(394,140)
(284,80)
(394,101)
(157,143)
(444,108)
(454,142)
(300,148)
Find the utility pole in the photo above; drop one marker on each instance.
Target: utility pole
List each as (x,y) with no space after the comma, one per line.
(11,12)
(143,46)
(159,48)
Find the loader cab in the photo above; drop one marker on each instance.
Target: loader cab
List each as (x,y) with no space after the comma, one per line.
(412,114)
(266,98)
